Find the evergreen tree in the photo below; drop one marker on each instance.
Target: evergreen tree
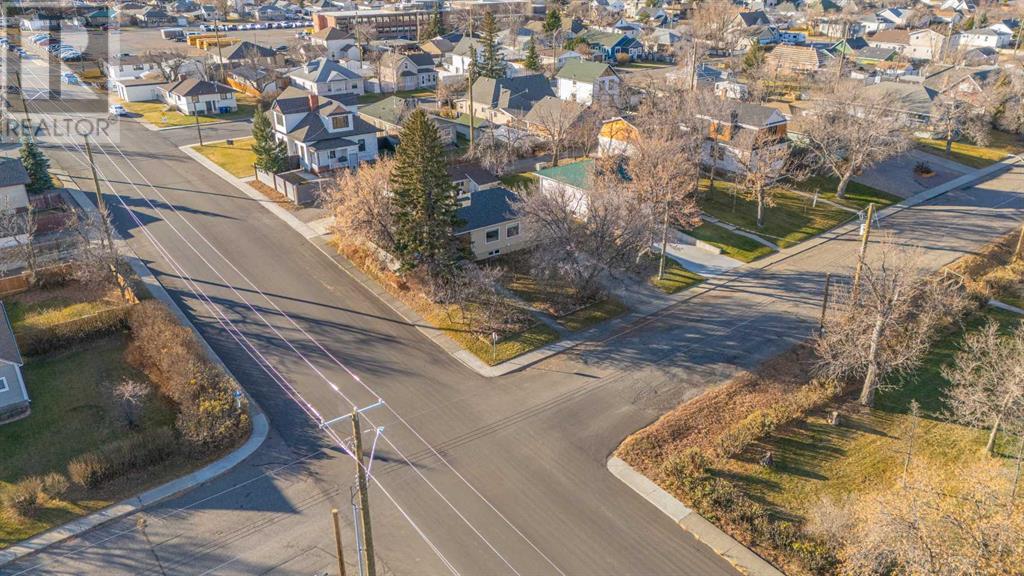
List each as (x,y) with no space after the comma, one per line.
(754,57)
(271,154)
(36,164)
(492,62)
(423,197)
(553,21)
(532,61)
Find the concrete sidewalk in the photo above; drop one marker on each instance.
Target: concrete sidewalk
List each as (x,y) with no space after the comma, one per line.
(696,259)
(258,433)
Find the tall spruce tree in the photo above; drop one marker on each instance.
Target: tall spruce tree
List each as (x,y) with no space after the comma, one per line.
(271,154)
(36,164)
(423,197)
(492,62)
(532,60)
(553,21)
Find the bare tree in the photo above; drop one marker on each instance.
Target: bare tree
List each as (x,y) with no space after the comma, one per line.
(884,327)
(955,118)
(168,62)
(764,158)
(940,523)
(20,227)
(584,233)
(987,380)
(849,133)
(361,204)
(96,260)
(131,396)
(713,24)
(556,120)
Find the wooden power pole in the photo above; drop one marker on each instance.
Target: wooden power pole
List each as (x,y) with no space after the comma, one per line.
(337,542)
(863,250)
(1019,251)
(364,497)
(101,206)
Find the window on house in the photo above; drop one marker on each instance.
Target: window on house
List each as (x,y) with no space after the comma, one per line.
(362,145)
(512,231)
(332,154)
(3,384)
(492,235)
(279,120)
(340,122)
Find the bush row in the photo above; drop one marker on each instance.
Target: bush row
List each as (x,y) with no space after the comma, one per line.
(36,341)
(209,416)
(764,421)
(130,454)
(24,498)
(719,500)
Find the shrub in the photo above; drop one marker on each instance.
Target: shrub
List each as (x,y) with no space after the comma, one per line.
(55,485)
(37,341)
(135,452)
(622,58)
(23,499)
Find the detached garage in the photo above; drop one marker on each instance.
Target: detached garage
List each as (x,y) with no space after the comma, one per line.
(138,89)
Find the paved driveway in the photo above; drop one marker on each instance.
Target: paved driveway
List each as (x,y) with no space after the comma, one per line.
(896,175)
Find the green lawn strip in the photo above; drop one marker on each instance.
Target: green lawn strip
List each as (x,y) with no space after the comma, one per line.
(523,181)
(508,348)
(156,113)
(676,278)
(593,314)
(733,245)
(790,221)
(814,459)
(964,153)
(44,308)
(73,412)
(237,158)
(377,97)
(857,195)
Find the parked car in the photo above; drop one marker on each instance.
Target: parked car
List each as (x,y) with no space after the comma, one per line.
(118,110)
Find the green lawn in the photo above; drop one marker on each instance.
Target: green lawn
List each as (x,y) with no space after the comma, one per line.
(858,195)
(676,277)
(732,244)
(523,181)
(1001,143)
(593,314)
(371,98)
(814,458)
(156,114)
(72,413)
(237,159)
(790,221)
(514,345)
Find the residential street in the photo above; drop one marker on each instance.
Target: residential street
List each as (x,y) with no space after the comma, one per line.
(488,477)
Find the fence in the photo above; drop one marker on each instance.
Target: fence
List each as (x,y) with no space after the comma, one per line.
(21,282)
(292,185)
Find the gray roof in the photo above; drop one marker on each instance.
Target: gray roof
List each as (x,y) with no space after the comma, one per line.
(904,96)
(875,53)
(487,208)
(8,344)
(471,171)
(12,172)
(750,114)
(550,107)
(582,71)
(519,93)
(754,18)
(196,87)
(246,49)
(324,70)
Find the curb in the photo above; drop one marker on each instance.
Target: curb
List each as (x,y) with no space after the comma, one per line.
(744,559)
(258,433)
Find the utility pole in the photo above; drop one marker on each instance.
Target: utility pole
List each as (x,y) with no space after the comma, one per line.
(101,206)
(337,542)
(364,497)
(472,66)
(220,56)
(863,250)
(824,302)
(198,129)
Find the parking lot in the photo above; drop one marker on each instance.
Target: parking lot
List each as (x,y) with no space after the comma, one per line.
(138,40)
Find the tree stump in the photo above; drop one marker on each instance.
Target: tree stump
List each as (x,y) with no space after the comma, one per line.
(834,418)
(768,460)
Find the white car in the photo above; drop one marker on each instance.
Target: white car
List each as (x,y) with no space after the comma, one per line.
(118,110)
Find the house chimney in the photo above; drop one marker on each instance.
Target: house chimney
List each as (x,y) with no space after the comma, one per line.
(314,102)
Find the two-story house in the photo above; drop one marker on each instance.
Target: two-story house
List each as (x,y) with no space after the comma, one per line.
(325,133)
(411,71)
(742,133)
(585,82)
(336,44)
(504,100)
(924,44)
(194,96)
(326,77)
(609,45)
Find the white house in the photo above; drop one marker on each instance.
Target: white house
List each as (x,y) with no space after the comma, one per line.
(324,132)
(489,222)
(138,89)
(14,400)
(981,38)
(126,66)
(336,43)
(584,82)
(325,77)
(193,96)
(13,179)
(923,44)
(406,71)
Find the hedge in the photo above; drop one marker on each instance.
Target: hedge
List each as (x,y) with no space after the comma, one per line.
(36,341)
(133,453)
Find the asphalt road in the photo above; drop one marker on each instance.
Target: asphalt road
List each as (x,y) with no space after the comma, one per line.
(476,476)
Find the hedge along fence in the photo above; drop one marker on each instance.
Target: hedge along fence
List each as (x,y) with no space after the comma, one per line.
(36,341)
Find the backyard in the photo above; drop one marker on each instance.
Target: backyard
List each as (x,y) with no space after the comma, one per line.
(235,156)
